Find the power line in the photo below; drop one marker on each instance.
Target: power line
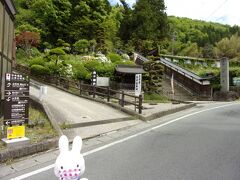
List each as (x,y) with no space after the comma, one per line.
(219,7)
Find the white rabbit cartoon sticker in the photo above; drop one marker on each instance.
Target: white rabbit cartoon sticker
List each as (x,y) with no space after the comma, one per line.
(70,165)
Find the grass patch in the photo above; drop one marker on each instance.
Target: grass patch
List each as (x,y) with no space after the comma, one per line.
(155,98)
(40,130)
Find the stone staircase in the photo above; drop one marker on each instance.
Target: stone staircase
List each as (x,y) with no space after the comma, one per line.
(181,93)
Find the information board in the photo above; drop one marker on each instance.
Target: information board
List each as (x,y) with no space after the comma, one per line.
(16,99)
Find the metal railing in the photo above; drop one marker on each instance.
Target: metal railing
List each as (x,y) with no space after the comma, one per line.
(81,89)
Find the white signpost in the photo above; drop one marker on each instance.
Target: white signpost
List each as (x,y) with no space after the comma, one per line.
(138,84)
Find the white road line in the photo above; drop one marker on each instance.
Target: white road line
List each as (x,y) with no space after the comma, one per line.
(24,176)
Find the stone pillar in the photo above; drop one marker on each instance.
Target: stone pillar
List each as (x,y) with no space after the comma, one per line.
(224,74)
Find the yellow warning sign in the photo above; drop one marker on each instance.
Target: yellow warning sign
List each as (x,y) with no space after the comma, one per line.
(15,132)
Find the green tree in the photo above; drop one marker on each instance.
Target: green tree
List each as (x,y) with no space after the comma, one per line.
(191,50)
(149,20)
(81,46)
(86,18)
(56,54)
(228,47)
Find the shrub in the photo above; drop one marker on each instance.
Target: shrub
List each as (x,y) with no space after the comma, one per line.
(92,65)
(114,57)
(57,51)
(80,72)
(81,46)
(235,71)
(35,52)
(21,56)
(36,61)
(39,70)
(125,62)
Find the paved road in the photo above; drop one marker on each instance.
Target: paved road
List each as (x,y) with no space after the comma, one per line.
(203,146)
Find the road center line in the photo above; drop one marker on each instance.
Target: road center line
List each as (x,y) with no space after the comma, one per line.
(24,176)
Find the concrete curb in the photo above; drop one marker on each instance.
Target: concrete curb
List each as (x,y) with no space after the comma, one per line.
(10,154)
(100,122)
(167,112)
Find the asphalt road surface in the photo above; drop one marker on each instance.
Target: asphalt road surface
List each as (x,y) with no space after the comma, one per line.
(203,146)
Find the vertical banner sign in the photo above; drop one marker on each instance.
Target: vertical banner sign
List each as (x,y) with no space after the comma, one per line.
(94,78)
(16,99)
(138,84)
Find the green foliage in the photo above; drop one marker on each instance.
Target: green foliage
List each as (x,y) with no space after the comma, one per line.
(153,77)
(81,46)
(27,27)
(35,52)
(147,21)
(155,98)
(235,71)
(228,47)
(37,61)
(192,50)
(21,56)
(92,65)
(39,70)
(57,51)
(80,72)
(114,57)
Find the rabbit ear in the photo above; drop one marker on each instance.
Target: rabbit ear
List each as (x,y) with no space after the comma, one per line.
(63,144)
(77,144)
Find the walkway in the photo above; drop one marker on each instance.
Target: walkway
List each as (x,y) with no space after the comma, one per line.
(70,109)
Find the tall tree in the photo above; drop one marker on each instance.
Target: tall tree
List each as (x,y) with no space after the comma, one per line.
(150,20)
(228,47)
(86,17)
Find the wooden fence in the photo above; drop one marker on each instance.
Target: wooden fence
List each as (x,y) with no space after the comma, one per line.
(82,89)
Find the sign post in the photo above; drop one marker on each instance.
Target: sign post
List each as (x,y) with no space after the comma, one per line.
(138,84)
(16,105)
(94,78)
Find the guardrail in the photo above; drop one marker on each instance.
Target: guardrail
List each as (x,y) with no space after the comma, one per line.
(79,88)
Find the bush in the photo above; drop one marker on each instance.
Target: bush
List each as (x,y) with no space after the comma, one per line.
(57,51)
(21,56)
(80,72)
(125,62)
(235,71)
(92,65)
(114,57)
(36,61)
(35,52)
(81,46)
(39,70)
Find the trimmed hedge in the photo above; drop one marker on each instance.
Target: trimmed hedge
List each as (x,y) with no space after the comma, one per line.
(39,70)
